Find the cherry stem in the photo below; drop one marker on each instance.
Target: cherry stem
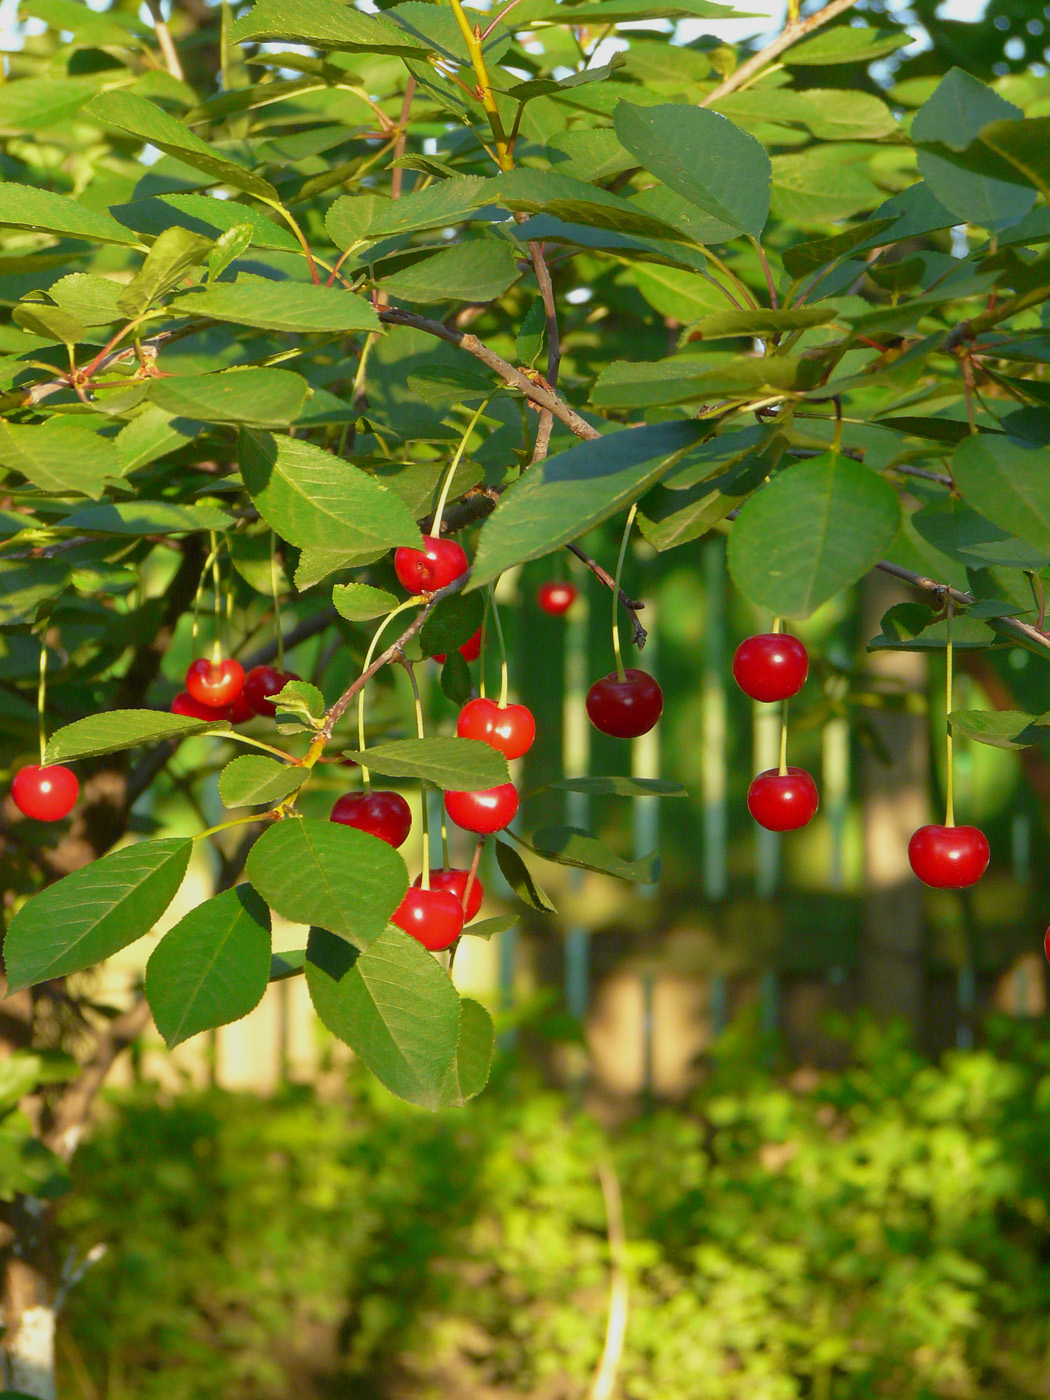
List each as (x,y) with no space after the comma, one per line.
(198,597)
(504,679)
(444,838)
(423,803)
(223,826)
(366,781)
(778,625)
(446,486)
(472,874)
(949,785)
(783,739)
(278,633)
(216,583)
(258,744)
(484,639)
(41,695)
(620,672)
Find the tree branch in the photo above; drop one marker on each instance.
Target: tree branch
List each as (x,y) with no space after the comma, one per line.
(791,35)
(70,1113)
(543,280)
(639,636)
(1014,625)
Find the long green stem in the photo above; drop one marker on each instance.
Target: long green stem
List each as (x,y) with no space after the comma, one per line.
(424,814)
(446,486)
(278,633)
(621,673)
(223,826)
(949,783)
(238,738)
(504,677)
(41,696)
(782,770)
(472,36)
(366,780)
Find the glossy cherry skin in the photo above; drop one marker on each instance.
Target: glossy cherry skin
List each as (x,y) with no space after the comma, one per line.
(185,704)
(263,681)
(772,666)
(433,917)
(625,708)
(949,857)
(483,812)
(470,650)
(383,814)
(436,565)
(215,683)
(511,729)
(783,802)
(456,882)
(1046,944)
(556,598)
(48,794)
(240,711)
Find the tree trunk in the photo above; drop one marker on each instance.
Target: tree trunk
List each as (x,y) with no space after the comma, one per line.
(28,1346)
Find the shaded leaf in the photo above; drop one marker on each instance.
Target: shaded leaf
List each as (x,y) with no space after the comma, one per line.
(567,845)
(278,306)
(520,878)
(44,212)
(256,398)
(124,729)
(1003,729)
(478,270)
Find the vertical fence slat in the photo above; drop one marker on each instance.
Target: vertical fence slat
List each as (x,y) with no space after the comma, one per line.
(713,736)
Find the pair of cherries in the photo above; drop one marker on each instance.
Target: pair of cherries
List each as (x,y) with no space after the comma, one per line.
(770,667)
(222,690)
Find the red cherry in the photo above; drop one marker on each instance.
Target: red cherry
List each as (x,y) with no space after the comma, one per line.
(456,882)
(625,708)
(949,857)
(556,598)
(185,704)
(383,814)
(773,666)
(783,801)
(511,729)
(240,711)
(434,917)
(48,794)
(434,566)
(470,650)
(483,812)
(215,683)
(1046,944)
(263,681)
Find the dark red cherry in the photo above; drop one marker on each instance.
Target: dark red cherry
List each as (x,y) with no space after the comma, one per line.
(383,814)
(456,882)
(949,857)
(436,565)
(772,666)
(470,650)
(783,801)
(240,711)
(556,598)
(434,917)
(185,704)
(625,708)
(1046,944)
(511,729)
(47,794)
(215,683)
(483,812)
(263,681)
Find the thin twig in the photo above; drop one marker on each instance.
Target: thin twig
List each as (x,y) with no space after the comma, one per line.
(639,636)
(791,35)
(71,1111)
(604,1382)
(944,590)
(543,279)
(165,42)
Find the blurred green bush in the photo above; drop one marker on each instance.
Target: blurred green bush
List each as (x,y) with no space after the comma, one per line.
(883,1231)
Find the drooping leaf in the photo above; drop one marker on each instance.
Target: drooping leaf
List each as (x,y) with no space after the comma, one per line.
(278,306)
(457,765)
(451,623)
(123,729)
(1005,480)
(846,43)
(358,602)
(394,1005)
(691,378)
(356,218)
(815,528)
(41,211)
(915,627)
(256,398)
(171,257)
(93,913)
(469,1072)
(520,878)
(324,873)
(212,967)
(478,270)
(24,585)
(562,497)
(568,845)
(548,192)
(1003,729)
(253,780)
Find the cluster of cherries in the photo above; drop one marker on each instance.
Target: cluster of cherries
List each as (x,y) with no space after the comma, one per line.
(773,667)
(221,690)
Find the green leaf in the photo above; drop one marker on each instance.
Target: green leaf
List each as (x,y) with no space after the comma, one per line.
(456,680)
(952,118)
(152,433)
(92,299)
(478,270)
(689,378)
(324,873)
(532,334)
(520,878)
(287,964)
(24,586)
(124,729)
(279,306)
(703,157)
(817,527)
(204,213)
(958,531)
(1002,729)
(396,1008)
(622,787)
(1005,480)
(354,219)
(314,499)
(253,780)
(547,192)
(171,257)
(846,43)
(212,967)
(456,765)
(62,455)
(358,602)
(727,323)
(624,11)
(669,517)
(809,257)
(255,398)
(915,627)
(228,248)
(151,123)
(818,186)
(675,292)
(93,913)
(301,699)
(488,928)
(48,322)
(34,104)
(438,28)
(147,518)
(1023,146)
(325,24)
(475,1044)
(562,497)
(43,212)
(451,623)
(567,845)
